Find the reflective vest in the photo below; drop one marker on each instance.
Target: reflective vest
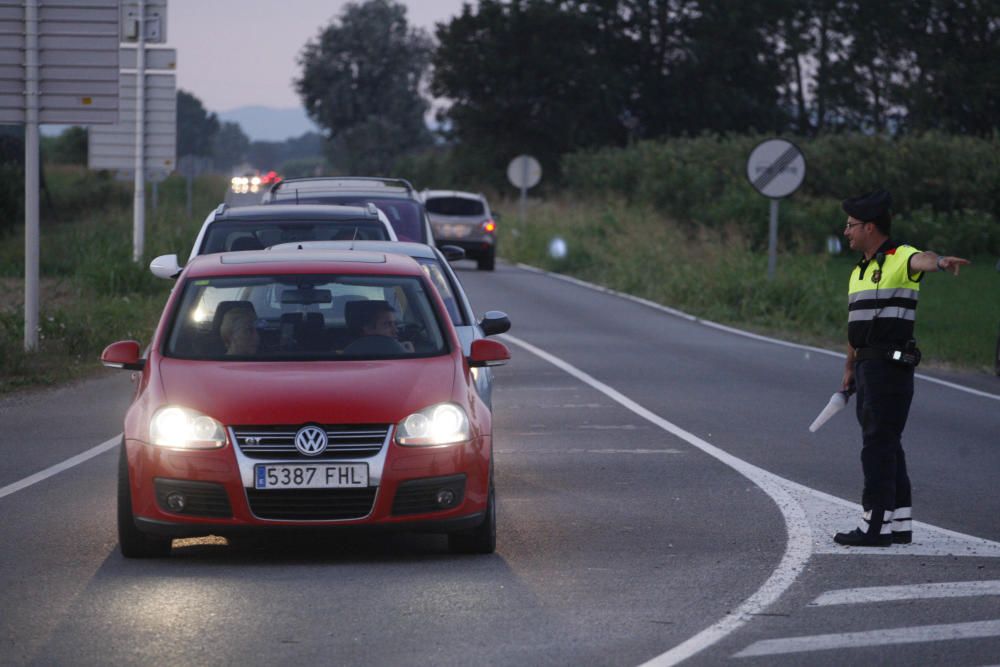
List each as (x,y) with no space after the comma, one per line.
(882,298)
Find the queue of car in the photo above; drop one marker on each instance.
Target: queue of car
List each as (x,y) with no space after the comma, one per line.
(310,371)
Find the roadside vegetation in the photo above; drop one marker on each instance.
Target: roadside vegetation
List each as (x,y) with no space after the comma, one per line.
(719,274)
(675,221)
(91,292)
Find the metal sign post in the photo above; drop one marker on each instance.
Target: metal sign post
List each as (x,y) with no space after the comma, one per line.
(139,199)
(142,20)
(144,140)
(32,158)
(775,169)
(524,172)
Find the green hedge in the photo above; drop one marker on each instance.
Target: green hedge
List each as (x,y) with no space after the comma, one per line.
(946,189)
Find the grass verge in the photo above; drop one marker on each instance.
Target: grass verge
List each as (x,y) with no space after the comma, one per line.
(91,292)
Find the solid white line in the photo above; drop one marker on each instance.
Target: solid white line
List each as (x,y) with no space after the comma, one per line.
(60,467)
(739,332)
(798,549)
(884,637)
(953,589)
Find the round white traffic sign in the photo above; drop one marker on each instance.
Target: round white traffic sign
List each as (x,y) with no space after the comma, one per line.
(524,171)
(776,168)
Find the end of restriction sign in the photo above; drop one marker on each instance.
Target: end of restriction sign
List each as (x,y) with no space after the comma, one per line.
(776,168)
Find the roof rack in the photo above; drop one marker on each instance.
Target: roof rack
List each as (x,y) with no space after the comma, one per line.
(399,182)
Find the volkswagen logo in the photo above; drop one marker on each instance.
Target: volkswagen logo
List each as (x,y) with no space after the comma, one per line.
(311,440)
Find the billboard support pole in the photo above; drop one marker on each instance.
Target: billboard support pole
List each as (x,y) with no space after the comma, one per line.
(772,240)
(139,201)
(31,178)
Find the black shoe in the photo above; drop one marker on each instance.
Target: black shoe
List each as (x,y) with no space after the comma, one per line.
(902,536)
(856,538)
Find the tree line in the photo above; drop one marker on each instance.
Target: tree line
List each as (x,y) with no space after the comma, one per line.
(554,76)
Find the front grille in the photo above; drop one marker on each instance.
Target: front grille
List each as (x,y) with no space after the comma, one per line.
(200,498)
(278,442)
(312,504)
(420,495)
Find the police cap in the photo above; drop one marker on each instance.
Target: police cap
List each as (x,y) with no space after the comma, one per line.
(869,207)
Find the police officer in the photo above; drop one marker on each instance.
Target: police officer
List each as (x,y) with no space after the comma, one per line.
(881,357)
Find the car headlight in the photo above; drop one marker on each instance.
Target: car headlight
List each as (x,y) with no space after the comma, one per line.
(183,428)
(441,424)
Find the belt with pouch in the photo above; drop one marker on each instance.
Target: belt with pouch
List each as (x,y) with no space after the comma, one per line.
(902,355)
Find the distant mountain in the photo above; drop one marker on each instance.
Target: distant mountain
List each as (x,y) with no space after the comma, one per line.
(268,124)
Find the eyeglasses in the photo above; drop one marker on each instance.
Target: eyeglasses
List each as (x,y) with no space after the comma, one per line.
(854,224)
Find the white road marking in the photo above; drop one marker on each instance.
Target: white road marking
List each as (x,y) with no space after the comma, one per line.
(59,467)
(739,332)
(950,589)
(797,549)
(883,637)
(792,499)
(829,514)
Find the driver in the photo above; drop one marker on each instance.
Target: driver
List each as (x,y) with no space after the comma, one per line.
(239,332)
(380,320)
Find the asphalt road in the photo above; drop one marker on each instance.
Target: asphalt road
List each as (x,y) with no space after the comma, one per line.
(660,499)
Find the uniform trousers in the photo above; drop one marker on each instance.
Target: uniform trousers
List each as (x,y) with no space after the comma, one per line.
(884,393)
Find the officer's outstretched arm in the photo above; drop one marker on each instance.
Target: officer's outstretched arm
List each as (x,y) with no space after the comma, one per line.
(928,261)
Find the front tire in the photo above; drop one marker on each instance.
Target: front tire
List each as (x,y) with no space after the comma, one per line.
(487,262)
(483,538)
(133,542)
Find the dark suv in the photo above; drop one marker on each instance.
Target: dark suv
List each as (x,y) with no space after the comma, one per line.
(394,196)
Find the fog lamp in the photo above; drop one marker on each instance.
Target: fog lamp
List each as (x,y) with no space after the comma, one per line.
(175,502)
(445,498)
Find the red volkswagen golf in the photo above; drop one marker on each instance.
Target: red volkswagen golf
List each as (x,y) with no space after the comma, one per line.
(305,389)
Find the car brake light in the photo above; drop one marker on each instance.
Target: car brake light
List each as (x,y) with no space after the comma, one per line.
(489,226)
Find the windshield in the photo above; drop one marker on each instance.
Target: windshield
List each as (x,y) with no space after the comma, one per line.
(226,236)
(273,318)
(454,206)
(405,215)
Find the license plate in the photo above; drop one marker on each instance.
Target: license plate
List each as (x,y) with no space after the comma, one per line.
(452,231)
(311,476)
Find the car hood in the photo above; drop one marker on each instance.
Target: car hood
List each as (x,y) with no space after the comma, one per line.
(351,392)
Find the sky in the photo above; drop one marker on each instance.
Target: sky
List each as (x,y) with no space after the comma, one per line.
(236,53)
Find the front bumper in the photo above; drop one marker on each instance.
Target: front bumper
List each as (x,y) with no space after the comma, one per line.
(220,498)
(183,529)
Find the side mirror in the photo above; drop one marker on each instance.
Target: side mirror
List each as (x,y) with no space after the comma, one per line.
(165,266)
(452,253)
(495,322)
(488,353)
(123,354)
